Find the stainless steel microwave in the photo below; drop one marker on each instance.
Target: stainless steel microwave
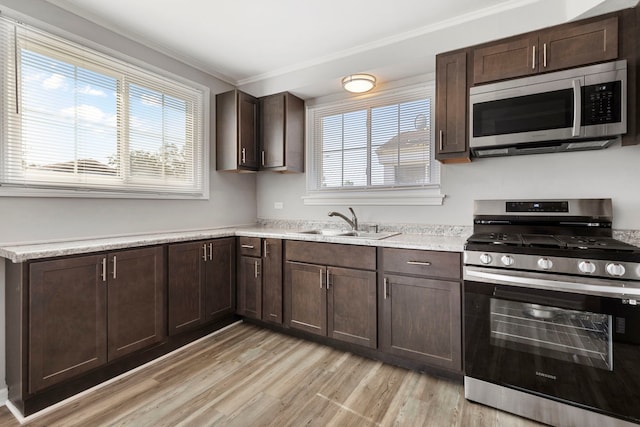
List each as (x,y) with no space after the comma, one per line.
(579,109)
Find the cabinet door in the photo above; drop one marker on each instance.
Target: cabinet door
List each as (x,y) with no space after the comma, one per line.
(273,131)
(67,319)
(272,281)
(451,104)
(421,320)
(136,295)
(220,279)
(573,45)
(307,297)
(514,57)
(250,287)
(186,279)
(247,131)
(351,309)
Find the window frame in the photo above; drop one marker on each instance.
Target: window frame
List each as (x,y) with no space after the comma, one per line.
(425,194)
(128,71)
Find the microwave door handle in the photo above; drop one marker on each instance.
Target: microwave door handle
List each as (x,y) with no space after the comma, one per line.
(577,106)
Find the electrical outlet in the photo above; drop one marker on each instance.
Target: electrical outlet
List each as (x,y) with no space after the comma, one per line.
(278,205)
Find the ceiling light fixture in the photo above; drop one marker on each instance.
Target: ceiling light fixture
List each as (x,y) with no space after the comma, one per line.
(359,83)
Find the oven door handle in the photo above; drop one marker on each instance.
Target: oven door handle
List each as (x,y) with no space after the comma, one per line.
(573,303)
(586,286)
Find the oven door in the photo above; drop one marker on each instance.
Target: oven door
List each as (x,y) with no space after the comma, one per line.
(574,347)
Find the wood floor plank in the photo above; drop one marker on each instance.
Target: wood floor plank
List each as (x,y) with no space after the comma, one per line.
(248,376)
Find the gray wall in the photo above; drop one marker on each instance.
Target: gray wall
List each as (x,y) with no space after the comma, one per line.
(232,196)
(613,172)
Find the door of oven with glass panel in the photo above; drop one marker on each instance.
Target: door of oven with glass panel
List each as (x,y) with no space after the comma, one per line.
(583,349)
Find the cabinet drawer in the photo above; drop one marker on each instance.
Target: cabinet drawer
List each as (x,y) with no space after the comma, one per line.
(333,254)
(250,246)
(423,263)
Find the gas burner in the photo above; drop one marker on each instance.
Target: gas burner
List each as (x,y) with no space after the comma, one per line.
(596,243)
(496,239)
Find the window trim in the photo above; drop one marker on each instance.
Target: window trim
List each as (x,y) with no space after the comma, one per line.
(153,72)
(423,195)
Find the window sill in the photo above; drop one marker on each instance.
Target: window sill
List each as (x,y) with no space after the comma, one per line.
(7,191)
(417,197)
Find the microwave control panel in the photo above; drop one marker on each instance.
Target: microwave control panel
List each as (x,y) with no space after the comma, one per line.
(602,103)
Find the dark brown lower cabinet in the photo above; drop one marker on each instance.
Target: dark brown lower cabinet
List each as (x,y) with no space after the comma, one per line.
(220,272)
(201,277)
(308,299)
(331,301)
(86,311)
(67,319)
(250,287)
(135,301)
(260,279)
(421,320)
(272,281)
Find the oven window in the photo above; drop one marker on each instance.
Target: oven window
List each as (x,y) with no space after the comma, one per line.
(575,336)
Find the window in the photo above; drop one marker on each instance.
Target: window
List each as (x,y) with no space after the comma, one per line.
(372,145)
(75,119)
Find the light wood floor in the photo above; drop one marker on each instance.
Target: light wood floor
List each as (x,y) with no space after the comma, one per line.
(247,376)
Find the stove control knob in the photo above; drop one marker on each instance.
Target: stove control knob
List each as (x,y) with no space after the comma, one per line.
(485,259)
(545,263)
(507,260)
(587,267)
(615,269)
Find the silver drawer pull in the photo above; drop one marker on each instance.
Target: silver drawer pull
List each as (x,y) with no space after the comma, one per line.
(104,269)
(247,246)
(422,263)
(204,248)
(115,266)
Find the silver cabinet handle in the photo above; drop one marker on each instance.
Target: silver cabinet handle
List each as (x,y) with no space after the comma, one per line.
(210,251)
(262,157)
(244,156)
(320,279)
(533,58)
(328,278)
(115,264)
(441,140)
(577,110)
(384,290)
(265,245)
(247,246)
(204,248)
(104,269)
(255,269)
(422,263)
(544,55)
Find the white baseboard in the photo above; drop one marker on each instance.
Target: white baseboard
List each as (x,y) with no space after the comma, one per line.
(4,395)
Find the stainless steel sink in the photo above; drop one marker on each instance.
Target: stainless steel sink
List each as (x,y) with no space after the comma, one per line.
(346,233)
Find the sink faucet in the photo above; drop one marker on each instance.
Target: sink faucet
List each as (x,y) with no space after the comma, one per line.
(353,222)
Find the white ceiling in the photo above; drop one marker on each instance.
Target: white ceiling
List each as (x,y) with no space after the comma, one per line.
(267,46)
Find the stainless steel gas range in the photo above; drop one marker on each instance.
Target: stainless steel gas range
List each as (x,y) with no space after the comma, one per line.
(552,313)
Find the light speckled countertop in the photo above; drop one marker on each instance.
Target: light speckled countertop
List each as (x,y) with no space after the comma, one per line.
(20,253)
(413,236)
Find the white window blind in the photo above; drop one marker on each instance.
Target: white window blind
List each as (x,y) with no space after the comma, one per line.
(377,142)
(76,119)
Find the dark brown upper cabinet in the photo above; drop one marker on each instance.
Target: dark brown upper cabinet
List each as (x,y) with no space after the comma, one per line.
(563,46)
(282,133)
(236,132)
(451,107)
